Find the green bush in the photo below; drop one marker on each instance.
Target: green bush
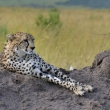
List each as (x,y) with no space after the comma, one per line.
(50,22)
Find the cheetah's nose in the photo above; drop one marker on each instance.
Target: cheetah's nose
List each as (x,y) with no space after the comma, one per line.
(32,48)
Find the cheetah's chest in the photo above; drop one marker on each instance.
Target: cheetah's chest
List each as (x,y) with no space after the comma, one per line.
(23,65)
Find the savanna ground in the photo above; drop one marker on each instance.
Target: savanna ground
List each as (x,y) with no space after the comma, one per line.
(83,34)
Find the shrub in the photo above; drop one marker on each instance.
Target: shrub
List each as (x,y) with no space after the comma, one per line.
(50,22)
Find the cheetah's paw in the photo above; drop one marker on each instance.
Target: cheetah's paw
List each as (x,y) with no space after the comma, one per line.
(88,88)
(79,91)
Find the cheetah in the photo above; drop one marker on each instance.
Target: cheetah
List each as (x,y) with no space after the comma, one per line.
(18,56)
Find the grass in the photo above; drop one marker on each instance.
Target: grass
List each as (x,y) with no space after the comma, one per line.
(82,35)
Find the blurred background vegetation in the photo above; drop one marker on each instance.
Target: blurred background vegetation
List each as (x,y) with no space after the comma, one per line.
(57,3)
(64,36)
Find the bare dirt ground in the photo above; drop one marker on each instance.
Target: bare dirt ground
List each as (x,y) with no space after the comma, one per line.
(18,92)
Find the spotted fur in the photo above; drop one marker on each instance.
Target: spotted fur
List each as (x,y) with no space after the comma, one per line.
(18,56)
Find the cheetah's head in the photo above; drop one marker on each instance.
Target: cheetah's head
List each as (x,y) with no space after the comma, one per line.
(20,43)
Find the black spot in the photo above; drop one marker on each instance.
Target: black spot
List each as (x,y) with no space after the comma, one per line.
(40,74)
(68,79)
(73,89)
(51,80)
(64,78)
(45,66)
(57,82)
(34,67)
(14,58)
(61,76)
(56,73)
(36,74)
(41,69)
(20,72)
(48,69)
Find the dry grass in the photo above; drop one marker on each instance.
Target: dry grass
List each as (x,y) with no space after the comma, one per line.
(78,41)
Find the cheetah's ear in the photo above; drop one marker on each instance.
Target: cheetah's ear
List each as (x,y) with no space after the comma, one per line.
(10,37)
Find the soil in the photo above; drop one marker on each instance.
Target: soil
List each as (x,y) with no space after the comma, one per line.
(19,92)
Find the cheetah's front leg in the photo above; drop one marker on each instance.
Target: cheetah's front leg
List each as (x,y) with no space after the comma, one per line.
(78,89)
(57,73)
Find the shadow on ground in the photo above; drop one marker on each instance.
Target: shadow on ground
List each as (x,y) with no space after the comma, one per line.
(18,92)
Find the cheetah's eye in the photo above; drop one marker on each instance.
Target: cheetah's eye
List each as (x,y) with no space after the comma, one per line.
(25,40)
